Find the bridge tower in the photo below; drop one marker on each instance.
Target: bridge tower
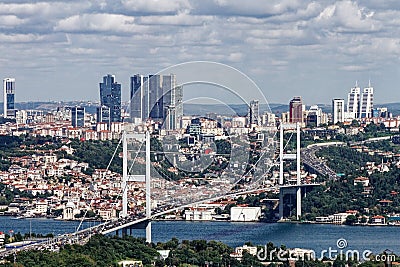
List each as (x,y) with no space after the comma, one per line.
(136,178)
(289,189)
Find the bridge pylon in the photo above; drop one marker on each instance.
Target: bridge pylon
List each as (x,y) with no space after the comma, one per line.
(136,178)
(288,156)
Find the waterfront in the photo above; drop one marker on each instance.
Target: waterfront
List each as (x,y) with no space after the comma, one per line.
(311,236)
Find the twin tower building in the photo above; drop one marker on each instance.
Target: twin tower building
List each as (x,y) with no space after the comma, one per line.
(155,97)
(360,105)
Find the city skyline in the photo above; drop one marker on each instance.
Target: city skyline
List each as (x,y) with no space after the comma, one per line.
(316,48)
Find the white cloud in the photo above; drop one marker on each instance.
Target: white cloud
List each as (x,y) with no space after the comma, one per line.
(20,38)
(156,6)
(180,19)
(10,20)
(235,57)
(253,8)
(347,16)
(81,51)
(113,23)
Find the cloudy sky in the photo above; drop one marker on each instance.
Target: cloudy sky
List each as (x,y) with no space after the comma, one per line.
(59,50)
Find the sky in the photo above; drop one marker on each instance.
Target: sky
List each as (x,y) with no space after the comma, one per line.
(60,50)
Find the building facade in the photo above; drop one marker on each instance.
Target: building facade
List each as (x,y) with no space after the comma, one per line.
(78,117)
(9,97)
(353,102)
(367,102)
(296,110)
(103,115)
(254,113)
(139,103)
(110,96)
(156,97)
(337,110)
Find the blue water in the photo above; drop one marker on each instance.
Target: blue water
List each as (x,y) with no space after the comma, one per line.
(311,236)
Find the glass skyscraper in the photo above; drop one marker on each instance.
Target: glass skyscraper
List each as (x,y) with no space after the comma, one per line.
(9,97)
(110,96)
(78,116)
(156,97)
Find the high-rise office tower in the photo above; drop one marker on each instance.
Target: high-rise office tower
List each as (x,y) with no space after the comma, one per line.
(139,101)
(110,96)
(353,102)
(338,110)
(254,112)
(9,97)
(314,116)
(367,102)
(296,110)
(103,114)
(78,116)
(156,97)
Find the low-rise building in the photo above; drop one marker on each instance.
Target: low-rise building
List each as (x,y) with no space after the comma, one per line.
(245,214)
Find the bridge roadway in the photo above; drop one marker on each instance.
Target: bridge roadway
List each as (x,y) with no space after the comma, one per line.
(308,155)
(318,165)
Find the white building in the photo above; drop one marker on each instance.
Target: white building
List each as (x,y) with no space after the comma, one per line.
(245,214)
(70,211)
(198,215)
(268,119)
(314,115)
(41,207)
(367,102)
(353,102)
(340,218)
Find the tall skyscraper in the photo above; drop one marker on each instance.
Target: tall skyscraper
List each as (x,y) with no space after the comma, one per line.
(9,97)
(139,101)
(78,116)
(353,102)
(367,102)
(254,112)
(110,96)
(156,97)
(296,110)
(338,110)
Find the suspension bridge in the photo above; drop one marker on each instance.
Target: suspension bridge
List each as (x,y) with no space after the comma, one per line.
(128,221)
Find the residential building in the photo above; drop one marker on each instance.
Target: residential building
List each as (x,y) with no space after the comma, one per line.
(337,110)
(268,119)
(110,96)
(9,97)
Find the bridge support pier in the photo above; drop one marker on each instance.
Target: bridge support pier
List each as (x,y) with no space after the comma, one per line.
(298,203)
(293,191)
